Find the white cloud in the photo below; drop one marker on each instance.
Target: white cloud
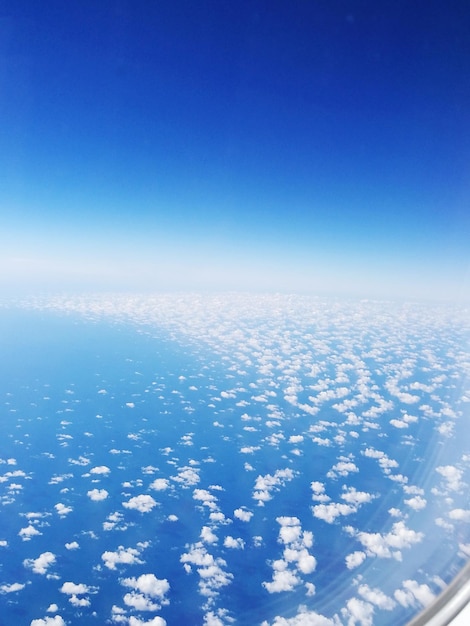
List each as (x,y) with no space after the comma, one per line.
(358,612)
(413,593)
(155,621)
(28,532)
(63,510)
(187,477)
(417,503)
(329,512)
(41,564)
(243,514)
(124,556)
(100,469)
(48,621)
(235,543)
(208,536)
(296,560)
(389,544)
(264,485)
(376,597)
(160,484)
(149,585)
(142,503)
(303,618)
(73,545)
(452,475)
(97,494)
(355,559)
(212,575)
(460,515)
(13,588)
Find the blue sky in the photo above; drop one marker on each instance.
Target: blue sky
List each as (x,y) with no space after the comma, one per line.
(308,146)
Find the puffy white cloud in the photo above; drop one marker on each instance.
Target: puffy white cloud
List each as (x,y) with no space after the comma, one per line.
(355,559)
(243,514)
(264,485)
(70,588)
(12,588)
(303,618)
(460,515)
(28,532)
(160,484)
(208,536)
(212,575)
(124,556)
(149,585)
(296,559)
(97,494)
(187,477)
(63,510)
(319,494)
(413,593)
(358,612)
(329,512)
(417,503)
(389,544)
(235,543)
(208,499)
(155,621)
(376,597)
(142,503)
(73,545)
(48,621)
(148,592)
(453,476)
(100,469)
(344,467)
(41,564)
(283,580)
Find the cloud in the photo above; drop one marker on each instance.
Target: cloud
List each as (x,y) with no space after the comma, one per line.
(264,485)
(417,503)
(355,559)
(63,510)
(212,575)
(452,475)
(389,544)
(97,494)
(100,469)
(296,558)
(28,532)
(187,477)
(344,467)
(41,564)
(73,545)
(48,621)
(208,536)
(329,512)
(124,556)
(13,588)
(358,612)
(160,484)
(243,514)
(235,543)
(460,515)
(142,503)
(413,593)
(148,592)
(376,597)
(155,621)
(75,590)
(303,618)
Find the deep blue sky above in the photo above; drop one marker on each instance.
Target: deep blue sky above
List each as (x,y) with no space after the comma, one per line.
(318,145)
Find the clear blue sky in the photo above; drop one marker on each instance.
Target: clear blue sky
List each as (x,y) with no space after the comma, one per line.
(306,145)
